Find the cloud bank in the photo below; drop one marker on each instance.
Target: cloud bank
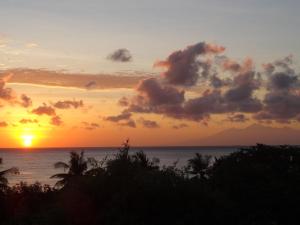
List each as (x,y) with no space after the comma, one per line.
(77,80)
(236,89)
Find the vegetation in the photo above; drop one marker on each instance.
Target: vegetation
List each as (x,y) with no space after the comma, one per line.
(257,185)
(3,179)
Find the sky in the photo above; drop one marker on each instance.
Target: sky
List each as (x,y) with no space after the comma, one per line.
(168,72)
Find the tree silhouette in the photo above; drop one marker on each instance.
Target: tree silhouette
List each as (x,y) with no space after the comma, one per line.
(199,165)
(77,166)
(3,179)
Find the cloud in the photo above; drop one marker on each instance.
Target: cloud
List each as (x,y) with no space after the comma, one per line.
(217,82)
(67,104)
(3,124)
(234,94)
(78,80)
(44,110)
(123,101)
(240,95)
(91,84)
(152,92)
(25,101)
(25,121)
(56,121)
(120,55)
(117,118)
(282,100)
(123,119)
(90,126)
(184,66)
(9,95)
(128,123)
(6,94)
(148,123)
(284,81)
(237,118)
(179,126)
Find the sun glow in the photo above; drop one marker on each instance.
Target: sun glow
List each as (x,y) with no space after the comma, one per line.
(27,140)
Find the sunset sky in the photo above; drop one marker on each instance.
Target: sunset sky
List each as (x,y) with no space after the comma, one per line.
(161,72)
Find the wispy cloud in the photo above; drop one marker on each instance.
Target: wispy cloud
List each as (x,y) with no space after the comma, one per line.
(90,126)
(25,121)
(123,119)
(84,81)
(44,110)
(148,123)
(67,104)
(31,45)
(56,121)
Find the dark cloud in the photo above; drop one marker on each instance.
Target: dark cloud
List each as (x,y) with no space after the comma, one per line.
(9,95)
(25,121)
(184,66)
(283,80)
(123,119)
(233,88)
(240,95)
(56,121)
(234,94)
(148,123)
(180,126)
(6,94)
(230,65)
(25,101)
(90,126)
(120,55)
(44,110)
(91,84)
(237,118)
(152,92)
(67,104)
(280,106)
(3,124)
(123,101)
(217,82)
(282,100)
(117,118)
(129,123)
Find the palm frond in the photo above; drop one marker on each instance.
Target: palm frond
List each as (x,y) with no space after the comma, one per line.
(59,165)
(3,181)
(60,183)
(13,170)
(60,176)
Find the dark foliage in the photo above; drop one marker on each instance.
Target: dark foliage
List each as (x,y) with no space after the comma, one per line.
(257,185)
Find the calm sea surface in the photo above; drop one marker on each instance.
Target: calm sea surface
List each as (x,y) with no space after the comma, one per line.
(37,164)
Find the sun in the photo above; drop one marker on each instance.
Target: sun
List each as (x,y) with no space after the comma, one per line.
(27,140)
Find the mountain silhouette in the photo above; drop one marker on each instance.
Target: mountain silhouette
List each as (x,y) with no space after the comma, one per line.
(251,135)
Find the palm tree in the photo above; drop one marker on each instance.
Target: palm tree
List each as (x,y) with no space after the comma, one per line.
(77,166)
(3,179)
(199,165)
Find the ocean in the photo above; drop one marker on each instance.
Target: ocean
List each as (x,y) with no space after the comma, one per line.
(37,165)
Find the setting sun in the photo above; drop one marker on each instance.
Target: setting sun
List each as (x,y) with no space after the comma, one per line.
(27,140)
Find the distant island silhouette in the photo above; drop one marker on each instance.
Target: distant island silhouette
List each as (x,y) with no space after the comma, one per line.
(251,135)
